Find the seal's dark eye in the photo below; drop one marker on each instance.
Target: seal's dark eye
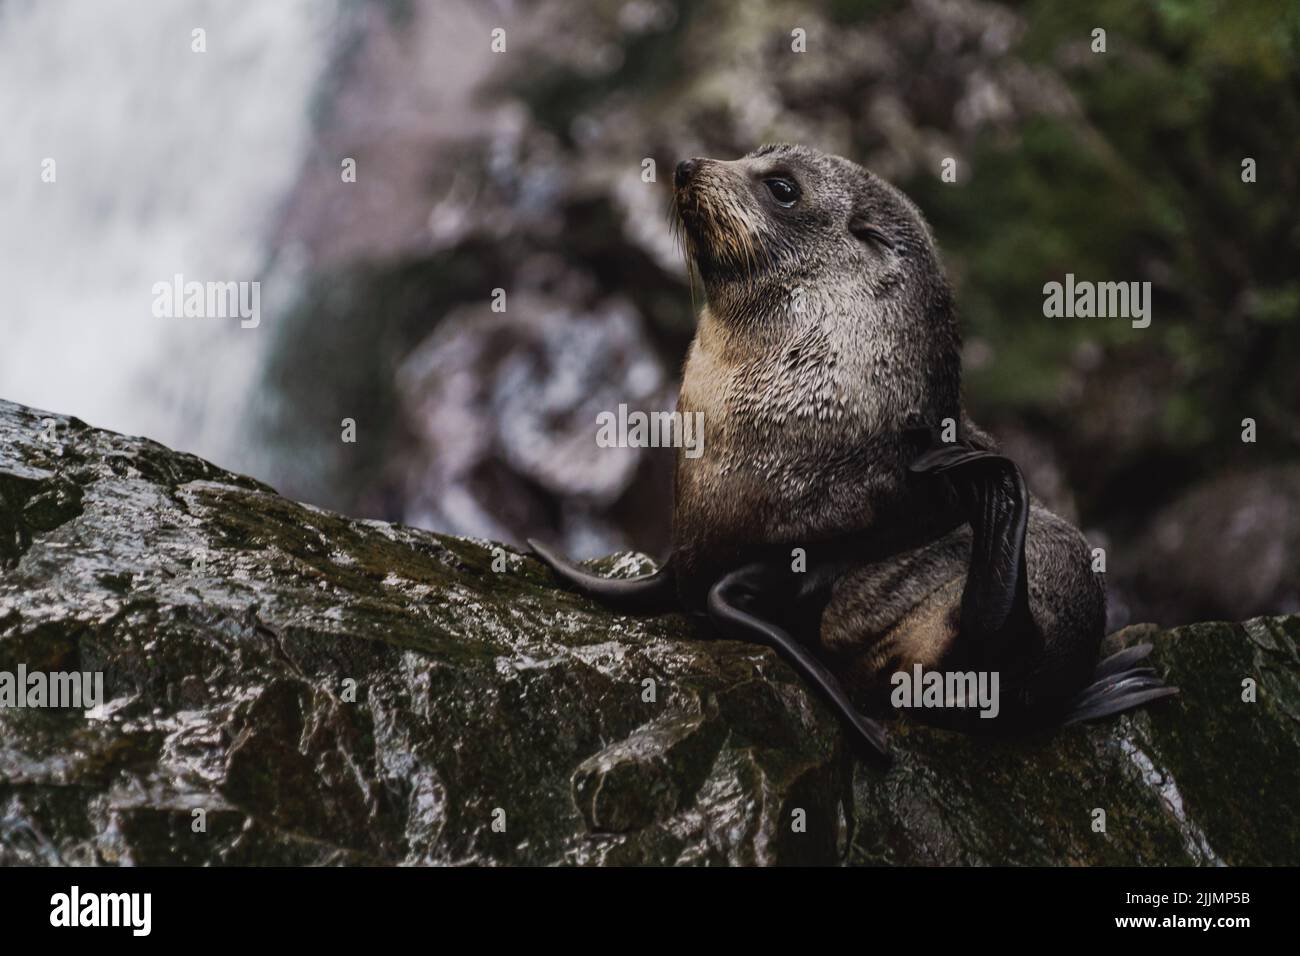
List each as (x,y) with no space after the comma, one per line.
(783,190)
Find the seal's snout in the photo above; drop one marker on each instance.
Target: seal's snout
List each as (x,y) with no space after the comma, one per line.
(685,170)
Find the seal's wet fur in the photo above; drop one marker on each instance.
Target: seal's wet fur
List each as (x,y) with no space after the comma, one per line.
(827,367)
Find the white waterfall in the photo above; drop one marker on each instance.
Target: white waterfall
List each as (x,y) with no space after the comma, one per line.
(165,161)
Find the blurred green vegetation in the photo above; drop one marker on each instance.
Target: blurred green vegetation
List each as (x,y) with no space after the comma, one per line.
(1147,181)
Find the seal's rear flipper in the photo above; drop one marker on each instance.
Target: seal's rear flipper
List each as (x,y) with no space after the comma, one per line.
(740,587)
(1118,686)
(1122,661)
(649,593)
(995,615)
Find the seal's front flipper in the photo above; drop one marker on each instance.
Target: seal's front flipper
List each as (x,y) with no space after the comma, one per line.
(1118,686)
(741,587)
(995,602)
(648,594)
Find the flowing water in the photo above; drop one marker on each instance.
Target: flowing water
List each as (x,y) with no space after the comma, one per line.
(166,161)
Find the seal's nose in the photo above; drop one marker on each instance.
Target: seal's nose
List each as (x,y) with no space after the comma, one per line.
(685,170)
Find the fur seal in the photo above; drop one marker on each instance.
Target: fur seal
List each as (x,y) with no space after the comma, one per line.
(827,366)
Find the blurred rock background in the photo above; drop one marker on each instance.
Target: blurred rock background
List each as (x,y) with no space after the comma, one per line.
(522,171)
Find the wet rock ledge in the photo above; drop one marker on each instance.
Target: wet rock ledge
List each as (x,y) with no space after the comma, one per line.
(326,690)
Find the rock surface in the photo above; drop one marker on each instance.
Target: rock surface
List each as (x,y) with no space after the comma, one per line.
(328,690)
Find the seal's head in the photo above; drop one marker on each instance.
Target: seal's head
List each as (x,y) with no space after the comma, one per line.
(789,216)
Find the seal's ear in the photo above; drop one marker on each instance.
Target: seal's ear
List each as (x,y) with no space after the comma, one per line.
(867,231)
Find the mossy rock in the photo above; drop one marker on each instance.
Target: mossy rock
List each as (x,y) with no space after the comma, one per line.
(328,690)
